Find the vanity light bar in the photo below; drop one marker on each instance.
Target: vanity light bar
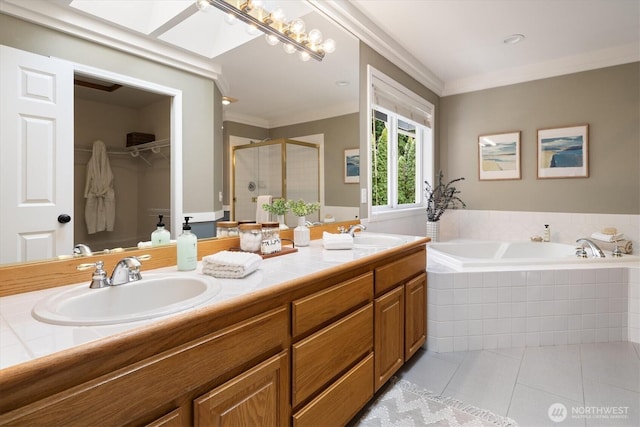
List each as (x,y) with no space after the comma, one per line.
(245,16)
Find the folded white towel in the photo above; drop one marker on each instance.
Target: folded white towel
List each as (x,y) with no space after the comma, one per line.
(607,237)
(230,264)
(337,241)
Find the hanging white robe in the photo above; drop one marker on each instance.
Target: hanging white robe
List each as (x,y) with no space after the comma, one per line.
(100,209)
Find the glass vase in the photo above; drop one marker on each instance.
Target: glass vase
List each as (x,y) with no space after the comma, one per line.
(301,234)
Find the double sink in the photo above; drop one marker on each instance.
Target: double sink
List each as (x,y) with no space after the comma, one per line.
(153,296)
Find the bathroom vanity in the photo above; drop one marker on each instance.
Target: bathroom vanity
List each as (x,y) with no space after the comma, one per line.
(305,340)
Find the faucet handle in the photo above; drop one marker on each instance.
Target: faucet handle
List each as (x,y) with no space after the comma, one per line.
(99,278)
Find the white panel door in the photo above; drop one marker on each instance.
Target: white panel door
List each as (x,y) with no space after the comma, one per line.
(36,156)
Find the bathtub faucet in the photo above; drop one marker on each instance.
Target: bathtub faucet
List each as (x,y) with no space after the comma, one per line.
(595,250)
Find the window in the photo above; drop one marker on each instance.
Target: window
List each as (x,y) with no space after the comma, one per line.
(401,146)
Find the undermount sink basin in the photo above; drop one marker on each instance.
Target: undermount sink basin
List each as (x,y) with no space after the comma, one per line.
(153,296)
(366,240)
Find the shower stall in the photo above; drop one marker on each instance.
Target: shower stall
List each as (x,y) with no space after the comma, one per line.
(281,168)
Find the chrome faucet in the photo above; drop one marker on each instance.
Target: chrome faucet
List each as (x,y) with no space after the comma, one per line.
(351,231)
(595,250)
(82,250)
(126,270)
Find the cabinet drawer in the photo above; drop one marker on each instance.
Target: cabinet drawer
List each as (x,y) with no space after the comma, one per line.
(342,400)
(323,356)
(321,307)
(390,275)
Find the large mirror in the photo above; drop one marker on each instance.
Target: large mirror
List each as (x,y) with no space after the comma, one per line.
(278,96)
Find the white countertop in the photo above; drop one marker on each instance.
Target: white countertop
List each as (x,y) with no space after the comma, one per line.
(23,338)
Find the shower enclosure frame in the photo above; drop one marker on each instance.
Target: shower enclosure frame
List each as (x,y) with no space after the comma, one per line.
(283,143)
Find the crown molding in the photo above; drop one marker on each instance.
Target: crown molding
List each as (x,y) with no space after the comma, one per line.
(51,15)
(358,24)
(573,64)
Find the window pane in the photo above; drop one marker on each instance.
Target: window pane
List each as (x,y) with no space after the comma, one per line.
(406,163)
(379,159)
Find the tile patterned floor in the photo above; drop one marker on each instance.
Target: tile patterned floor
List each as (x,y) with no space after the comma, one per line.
(522,383)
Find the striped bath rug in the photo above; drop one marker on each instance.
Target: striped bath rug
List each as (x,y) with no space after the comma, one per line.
(404,404)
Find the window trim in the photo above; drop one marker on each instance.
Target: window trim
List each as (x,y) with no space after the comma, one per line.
(427,161)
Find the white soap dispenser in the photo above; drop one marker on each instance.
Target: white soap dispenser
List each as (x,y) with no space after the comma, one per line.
(187,248)
(161,235)
(547,233)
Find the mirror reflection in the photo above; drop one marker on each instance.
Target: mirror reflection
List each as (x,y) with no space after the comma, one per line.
(278,96)
(134,168)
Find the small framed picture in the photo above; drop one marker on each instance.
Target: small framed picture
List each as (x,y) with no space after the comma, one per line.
(499,156)
(563,152)
(352,166)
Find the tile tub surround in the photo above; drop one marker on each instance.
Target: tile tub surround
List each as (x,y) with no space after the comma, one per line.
(520,226)
(501,309)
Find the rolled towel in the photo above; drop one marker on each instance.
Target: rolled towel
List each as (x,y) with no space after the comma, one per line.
(607,237)
(626,246)
(230,264)
(337,241)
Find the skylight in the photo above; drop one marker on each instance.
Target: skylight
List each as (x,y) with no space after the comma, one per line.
(143,16)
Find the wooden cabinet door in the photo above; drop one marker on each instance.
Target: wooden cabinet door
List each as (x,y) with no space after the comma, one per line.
(389,335)
(415,315)
(257,397)
(172,419)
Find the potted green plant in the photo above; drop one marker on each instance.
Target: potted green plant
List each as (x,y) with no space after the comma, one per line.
(278,207)
(441,197)
(300,208)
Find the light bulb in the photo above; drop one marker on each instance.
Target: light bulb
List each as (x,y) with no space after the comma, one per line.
(304,56)
(278,15)
(315,36)
(297,26)
(203,5)
(271,39)
(230,19)
(329,46)
(289,48)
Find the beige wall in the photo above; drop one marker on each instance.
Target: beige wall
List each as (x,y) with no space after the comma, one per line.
(199,99)
(607,99)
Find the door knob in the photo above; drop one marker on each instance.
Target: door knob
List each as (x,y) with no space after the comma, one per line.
(64,218)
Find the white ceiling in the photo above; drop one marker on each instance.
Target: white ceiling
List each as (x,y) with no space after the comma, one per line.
(451,46)
(461,41)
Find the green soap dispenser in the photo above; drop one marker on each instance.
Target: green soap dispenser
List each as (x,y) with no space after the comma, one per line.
(161,235)
(187,248)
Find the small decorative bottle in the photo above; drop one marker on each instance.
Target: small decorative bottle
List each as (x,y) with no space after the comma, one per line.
(187,248)
(160,235)
(547,233)
(301,234)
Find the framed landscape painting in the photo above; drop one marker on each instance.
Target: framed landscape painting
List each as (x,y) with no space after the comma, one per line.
(563,152)
(352,166)
(499,156)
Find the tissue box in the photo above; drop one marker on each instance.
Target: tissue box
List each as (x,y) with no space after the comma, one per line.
(137,138)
